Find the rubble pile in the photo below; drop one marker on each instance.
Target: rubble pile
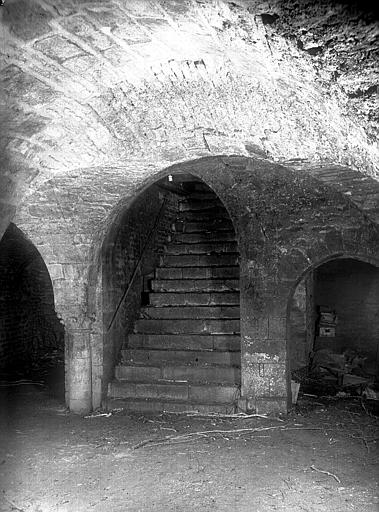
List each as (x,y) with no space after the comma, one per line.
(341,374)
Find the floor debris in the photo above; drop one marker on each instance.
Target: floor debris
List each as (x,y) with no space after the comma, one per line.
(210,433)
(99,415)
(326,473)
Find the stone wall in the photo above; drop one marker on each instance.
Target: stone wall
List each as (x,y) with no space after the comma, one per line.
(298,349)
(286,221)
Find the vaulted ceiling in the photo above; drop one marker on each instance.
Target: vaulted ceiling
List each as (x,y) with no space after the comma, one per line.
(136,85)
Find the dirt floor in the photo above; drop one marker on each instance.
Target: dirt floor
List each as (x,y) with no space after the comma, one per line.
(323,456)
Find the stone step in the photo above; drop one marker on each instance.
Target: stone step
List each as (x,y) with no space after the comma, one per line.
(195,285)
(211,213)
(157,407)
(190,357)
(206,326)
(193,205)
(229,342)
(199,373)
(197,272)
(214,236)
(200,260)
(203,226)
(198,195)
(194,299)
(201,248)
(195,312)
(174,391)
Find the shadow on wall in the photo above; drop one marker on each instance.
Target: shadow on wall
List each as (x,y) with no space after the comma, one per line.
(130,254)
(31,335)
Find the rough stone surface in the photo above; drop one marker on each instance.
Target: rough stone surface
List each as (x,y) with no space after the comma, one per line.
(341,40)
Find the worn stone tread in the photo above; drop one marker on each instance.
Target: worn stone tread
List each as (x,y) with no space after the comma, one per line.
(192,373)
(201,248)
(194,299)
(154,406)
(202,226)
(189,356)
(187,326)
(221,342)
(195,285)
(195,312)
(231,271)
(200,260)
(204,236)
(175,391)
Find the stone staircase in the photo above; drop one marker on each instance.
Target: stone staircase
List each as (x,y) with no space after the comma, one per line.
(184,353)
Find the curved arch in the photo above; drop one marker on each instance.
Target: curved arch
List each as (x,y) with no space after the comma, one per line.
(196,169)
(336,256)
(6,221)
(27,250)
(99,271)
(117,212)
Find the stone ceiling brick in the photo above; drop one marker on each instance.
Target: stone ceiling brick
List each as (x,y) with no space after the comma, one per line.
(58,48)
(81,27)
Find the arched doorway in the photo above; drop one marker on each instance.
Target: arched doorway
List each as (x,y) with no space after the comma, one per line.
(333,342)
(31,335)
(171,301)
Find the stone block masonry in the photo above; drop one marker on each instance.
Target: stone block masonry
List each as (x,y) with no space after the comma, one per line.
(99,99)
(282,218)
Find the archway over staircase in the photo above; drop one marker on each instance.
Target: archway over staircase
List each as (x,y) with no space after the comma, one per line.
(171,301)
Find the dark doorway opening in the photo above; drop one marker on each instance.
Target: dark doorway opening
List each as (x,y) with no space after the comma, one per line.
(334,330)
(31,335)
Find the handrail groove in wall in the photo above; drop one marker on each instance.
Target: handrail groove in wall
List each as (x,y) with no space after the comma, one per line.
(136,268)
